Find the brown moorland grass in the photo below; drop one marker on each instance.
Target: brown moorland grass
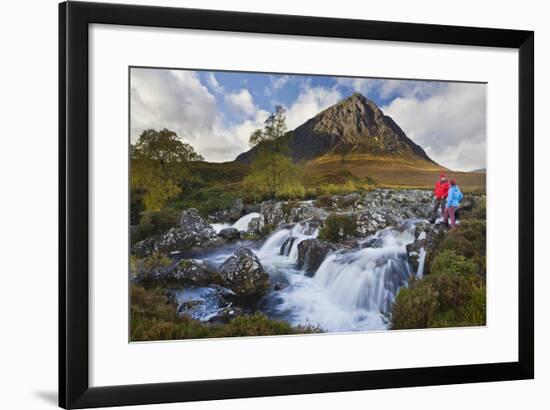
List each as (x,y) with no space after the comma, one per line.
(389,172)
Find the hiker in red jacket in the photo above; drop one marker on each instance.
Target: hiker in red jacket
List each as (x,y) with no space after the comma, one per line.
(440,196)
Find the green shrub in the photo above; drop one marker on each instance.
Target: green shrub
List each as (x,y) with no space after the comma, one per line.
(267,229)
(414,307)
(146,266)
(448,261)
(480,209)
(154,222)
(288,206)
(338,227)
(207,200)
(443,300)
(467,240)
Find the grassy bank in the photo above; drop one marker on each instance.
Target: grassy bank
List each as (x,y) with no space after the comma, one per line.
(453,290)
(154,317)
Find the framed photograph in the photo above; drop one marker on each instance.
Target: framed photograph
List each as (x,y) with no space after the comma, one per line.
(255,205)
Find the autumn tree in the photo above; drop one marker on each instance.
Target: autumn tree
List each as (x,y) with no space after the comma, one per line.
(273,172)
(159,162)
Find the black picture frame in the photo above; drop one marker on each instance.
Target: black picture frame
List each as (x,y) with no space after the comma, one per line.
(74,387)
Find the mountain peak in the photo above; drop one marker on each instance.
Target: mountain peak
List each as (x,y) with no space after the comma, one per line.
(354,125)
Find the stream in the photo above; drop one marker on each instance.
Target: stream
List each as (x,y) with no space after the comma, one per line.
(352,290)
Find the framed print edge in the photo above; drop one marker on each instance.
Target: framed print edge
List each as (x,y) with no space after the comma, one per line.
(74,387)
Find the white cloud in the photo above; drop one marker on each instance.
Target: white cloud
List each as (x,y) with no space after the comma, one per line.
(449,123)
(360,85)
(171,99)
(241,102)
(178,101)
(214,84)
(309,103)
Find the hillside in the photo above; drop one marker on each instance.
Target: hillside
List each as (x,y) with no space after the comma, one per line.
(355,125)
(354,136)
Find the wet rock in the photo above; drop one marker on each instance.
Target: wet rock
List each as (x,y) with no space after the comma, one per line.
(236,209)
(244,274)
(272,212)
(421,229)
(306,211)
(373,243)
(349,200)
(414,251)
(230,234)
(279,286)
(214,242)
(226,314)
(428,239)
(255,225)
(249,208)
(191,231)
(186,272)
(287,246)
(312,253)
(221,216)
(369,221)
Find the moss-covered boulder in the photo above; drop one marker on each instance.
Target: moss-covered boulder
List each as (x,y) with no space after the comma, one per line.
(184,273)
(192,230)
(244,274)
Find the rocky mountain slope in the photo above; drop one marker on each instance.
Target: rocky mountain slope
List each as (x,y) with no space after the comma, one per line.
(353,126)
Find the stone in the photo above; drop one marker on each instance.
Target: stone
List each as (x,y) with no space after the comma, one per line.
(244,274)
(230,234)
(312,253)
(191,231)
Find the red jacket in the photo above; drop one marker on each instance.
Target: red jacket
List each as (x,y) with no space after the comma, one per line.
(441,189)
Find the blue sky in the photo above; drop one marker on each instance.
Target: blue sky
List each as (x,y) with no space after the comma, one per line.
(216,111)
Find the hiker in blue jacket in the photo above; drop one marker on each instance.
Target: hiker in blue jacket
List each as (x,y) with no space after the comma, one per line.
(454,197)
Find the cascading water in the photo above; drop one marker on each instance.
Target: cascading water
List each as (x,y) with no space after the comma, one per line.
(352,289)
(241,224)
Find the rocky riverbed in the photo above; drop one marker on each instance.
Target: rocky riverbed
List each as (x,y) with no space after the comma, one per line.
(335,263)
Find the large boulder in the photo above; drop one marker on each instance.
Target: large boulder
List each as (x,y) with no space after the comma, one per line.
(272,212)
(306,211)
(369,221)
(312,253)
(255,225)
(244,274)
(236,209)
(230,234)
(185,272)
(191,231)
(349,201)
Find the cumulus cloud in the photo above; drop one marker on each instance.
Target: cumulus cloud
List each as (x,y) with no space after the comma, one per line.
(448,121)
(214,84)
(241,102)
(309,103)
(171,99)
(178,101)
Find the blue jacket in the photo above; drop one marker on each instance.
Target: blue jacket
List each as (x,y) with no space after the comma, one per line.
(454,196)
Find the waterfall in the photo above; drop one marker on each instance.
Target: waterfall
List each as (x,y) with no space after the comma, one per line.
(352,289)
(422,258)
(241,224)
(299,233)
(365,279)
